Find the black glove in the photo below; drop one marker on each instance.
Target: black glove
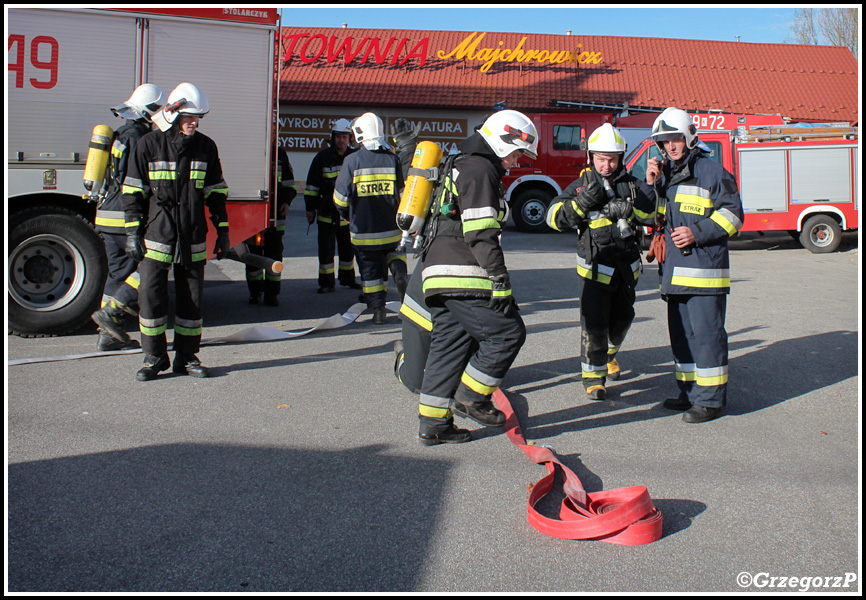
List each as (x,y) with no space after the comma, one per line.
(569,211)
(501,299)
(618,209)
(222,246)
(134,244)
(591,197)
(402,132)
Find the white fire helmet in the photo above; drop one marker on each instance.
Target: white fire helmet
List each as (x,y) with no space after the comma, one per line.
(342,126)
(185,99)
(606,138)
(509,130)
(671,123)
(370,131)
(142,104)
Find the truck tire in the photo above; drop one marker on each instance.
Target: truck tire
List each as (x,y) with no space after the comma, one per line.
(529,208)
(821,234)
(57,270)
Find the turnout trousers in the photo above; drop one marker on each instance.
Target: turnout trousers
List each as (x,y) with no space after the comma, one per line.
(260,280)
(154,305)
(123,281)
(700,346)
(606,314)
(334,237)
(374,266)
(471,349)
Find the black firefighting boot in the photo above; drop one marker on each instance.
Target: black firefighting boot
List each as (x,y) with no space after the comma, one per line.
(189,364)
(595,388)
(484,413)
(379,315)
(110,319)
(702,414)
(106,343)
(152,366)
(451,435)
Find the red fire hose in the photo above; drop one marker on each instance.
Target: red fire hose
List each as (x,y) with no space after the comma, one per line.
(621,516)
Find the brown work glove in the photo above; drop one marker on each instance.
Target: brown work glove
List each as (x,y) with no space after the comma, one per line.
(657,246)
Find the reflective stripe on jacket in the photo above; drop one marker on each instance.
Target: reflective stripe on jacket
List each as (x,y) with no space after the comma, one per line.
(367,194)
(703,196)
(170,184)
(467,252)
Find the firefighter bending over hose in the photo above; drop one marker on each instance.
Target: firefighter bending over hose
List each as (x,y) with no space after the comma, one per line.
(466,284)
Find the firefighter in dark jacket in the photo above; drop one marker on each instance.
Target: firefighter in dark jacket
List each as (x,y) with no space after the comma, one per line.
(367,194)
(120,295)
(702,209)
(175,174)
(319,201)
(260,280)
(601,205)
(466,283)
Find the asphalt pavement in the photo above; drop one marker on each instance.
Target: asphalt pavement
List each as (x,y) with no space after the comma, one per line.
(297,467)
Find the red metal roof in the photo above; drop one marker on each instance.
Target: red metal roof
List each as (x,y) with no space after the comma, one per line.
(357,67)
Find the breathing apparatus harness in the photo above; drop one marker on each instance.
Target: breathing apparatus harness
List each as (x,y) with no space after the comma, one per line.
(443,205)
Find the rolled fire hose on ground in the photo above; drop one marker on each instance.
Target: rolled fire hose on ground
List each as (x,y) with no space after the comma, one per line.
(622,516)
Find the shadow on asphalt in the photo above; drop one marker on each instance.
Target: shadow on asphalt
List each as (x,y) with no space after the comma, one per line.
(183,517)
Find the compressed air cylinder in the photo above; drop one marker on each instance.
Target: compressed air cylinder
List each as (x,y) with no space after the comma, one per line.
(97,157)
(418,191)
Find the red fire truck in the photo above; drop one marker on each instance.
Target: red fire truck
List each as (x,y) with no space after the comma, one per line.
(66,68)
(802,180)
(532,184)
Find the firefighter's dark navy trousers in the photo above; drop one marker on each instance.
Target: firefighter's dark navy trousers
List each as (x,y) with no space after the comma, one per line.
(606,314)
(374,266)
(334,236)
(123,281)
(453,371)
(154,301)
(700,346)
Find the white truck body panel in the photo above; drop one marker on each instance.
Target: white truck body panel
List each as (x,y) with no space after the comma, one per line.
(98,66)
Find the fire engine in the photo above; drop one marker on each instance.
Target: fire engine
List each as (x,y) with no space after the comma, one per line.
(66,67)
(799,179)
(532,184)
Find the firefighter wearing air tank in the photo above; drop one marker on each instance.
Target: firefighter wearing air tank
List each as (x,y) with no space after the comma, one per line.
(120,295)
(174,175)
(605,205)
(466,283)
(367,194)
(701,205)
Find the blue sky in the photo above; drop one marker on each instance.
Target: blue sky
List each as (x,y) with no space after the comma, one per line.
(761,25)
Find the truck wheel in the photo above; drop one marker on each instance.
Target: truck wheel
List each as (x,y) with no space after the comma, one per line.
(57,270)
(528,209)
(821,234)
